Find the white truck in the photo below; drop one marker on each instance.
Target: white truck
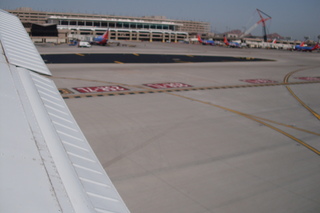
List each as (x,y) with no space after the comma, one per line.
(84,44)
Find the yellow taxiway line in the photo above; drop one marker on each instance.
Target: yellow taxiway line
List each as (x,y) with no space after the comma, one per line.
(169,91)
(118,62)
(255,118)
(286,80)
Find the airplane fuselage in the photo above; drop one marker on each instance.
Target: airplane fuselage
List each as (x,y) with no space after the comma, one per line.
(205,42)
(100,40)
(305,49)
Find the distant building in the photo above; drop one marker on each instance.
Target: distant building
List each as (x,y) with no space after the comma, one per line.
(87,26)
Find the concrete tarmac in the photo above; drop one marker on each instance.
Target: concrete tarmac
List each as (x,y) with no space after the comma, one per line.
(244,138)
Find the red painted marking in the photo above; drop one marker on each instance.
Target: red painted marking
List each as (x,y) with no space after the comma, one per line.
(308,78)
(168,85)
(259,81)
(100,89)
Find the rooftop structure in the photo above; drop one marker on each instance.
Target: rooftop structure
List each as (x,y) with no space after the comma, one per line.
(147,28)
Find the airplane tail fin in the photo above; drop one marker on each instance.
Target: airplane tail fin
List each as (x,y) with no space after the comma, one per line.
(316,47)
(106,34)
(199,38)
(302,44)
(226,41)
(274,41)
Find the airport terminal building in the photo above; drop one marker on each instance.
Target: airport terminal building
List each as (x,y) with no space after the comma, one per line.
(63,27)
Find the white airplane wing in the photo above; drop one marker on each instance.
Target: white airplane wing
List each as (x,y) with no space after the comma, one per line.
(46,164)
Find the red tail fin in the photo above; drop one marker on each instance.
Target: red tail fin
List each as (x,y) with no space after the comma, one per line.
(315,47)
(302,44)
(106,34)
(199,38)
(226,41)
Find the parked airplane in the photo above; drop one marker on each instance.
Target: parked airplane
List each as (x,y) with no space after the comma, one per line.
(269,45)
(300,45)
(47,165)
(274,45)
(282,46)
(231,44)
(205,42)
(102,40)
(306,48)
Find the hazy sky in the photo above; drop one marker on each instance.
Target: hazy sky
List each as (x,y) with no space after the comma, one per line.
(295,18)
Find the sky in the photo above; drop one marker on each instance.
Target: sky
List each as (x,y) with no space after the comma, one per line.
(290,18)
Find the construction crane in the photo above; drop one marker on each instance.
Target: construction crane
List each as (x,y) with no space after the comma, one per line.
(261,21)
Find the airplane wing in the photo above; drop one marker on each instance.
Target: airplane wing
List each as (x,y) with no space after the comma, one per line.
(46,163)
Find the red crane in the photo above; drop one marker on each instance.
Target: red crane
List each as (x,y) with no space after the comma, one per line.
(263,21)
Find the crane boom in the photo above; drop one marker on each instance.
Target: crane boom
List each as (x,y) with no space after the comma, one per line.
(263,21)
(249,30)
